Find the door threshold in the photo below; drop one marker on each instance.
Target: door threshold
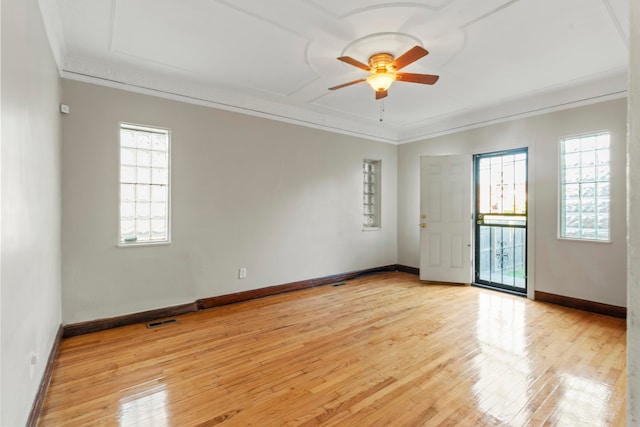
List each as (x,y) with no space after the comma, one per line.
(522,293)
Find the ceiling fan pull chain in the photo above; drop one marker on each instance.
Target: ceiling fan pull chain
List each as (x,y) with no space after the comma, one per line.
(381,108)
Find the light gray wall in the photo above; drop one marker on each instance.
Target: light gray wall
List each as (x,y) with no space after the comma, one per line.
(586,270)
(30,206)
(281,200)
(633,312)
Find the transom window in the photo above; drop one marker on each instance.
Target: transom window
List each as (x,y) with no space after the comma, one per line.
(584,184)
(144,185)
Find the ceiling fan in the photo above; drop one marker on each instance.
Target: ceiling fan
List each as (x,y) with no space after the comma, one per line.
(384,70)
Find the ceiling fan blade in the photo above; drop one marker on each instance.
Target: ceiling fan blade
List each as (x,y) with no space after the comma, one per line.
(427,79)
(381,94)
(409,56)
(349,60)
(347,84)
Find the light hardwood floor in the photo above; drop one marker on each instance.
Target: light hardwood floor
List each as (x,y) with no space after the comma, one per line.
(384,350)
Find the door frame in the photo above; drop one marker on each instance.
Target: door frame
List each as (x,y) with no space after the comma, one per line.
(531,199)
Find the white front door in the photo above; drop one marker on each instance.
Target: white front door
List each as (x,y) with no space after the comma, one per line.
(445,219)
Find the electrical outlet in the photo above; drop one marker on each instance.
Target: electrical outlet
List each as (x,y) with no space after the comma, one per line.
(33,361)
(242,273)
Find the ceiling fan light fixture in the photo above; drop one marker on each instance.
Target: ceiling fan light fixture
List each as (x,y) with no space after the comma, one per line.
(381,81)
(384,69)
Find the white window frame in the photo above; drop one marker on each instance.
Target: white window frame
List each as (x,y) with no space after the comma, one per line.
(561,190)
(167,212)
(371,200)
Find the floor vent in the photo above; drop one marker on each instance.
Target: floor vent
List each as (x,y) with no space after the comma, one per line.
(159,323)
(339,283)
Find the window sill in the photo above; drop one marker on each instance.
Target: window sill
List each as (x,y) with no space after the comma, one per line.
(573,239)
(142,244)
(371,228)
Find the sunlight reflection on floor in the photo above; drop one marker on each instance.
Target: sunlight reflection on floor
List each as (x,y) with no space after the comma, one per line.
(501,335)
(147,407)
(582,402)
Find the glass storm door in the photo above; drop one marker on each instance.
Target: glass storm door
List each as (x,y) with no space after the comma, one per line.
(501,220)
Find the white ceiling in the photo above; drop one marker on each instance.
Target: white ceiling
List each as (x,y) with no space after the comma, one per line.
(497,59)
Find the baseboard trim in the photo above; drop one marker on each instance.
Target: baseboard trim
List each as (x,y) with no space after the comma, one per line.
(74,329)
(82,328)
(38,402)
(407,269)
(206,303)
(580,304)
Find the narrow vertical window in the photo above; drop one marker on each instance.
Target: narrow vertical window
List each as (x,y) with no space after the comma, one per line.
(584,187)
(371,194)
(144,185)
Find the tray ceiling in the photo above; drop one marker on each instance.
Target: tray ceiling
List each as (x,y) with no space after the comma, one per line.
(497,59)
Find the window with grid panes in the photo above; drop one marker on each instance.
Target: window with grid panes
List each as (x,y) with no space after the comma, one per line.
(584,187)
(144,185)
(371,194)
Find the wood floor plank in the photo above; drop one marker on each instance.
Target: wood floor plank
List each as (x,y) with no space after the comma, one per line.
(380,350)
